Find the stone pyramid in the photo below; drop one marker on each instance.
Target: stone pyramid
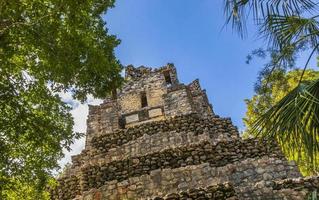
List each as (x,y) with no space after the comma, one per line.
(160,139)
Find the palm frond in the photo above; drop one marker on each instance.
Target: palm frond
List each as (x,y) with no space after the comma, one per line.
(237,11)
(294,121)
(283,31)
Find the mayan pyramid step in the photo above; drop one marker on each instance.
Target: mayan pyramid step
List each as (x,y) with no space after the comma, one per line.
(160,139)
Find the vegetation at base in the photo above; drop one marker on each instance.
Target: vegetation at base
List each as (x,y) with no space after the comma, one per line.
(46,47)
(22,190)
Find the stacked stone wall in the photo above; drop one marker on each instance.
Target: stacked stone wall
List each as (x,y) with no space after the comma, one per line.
(199,99)
(152,82)
(215,192)
(132,73)
(301,188)
(148,144)
(241,174)
(94,176)
(291,188)
(152,136)
(202,164)
(178,101)
(181,124)
(144,145)
(103,117)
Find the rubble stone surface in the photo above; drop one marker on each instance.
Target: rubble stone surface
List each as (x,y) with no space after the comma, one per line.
(160,139)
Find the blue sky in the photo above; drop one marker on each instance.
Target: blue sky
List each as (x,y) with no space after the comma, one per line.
(189,34)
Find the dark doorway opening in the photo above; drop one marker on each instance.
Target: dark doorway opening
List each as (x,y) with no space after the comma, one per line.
(143,99)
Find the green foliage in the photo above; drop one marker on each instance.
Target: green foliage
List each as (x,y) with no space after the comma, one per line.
(279,84)
(47,46)
(22,190)
(294,122)
(290,28)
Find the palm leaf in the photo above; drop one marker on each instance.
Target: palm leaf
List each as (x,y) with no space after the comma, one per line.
(283,31)
(294,121)
(237,11)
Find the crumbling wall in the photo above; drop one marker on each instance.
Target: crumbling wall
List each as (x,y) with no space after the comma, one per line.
(240,162)
(300,188)
(132,73)
(98,174)
(163,100)
(296,188)
(103,118)
(152,136)
(215,192)
(150,144)
(152,83)
(199,99)
(178,101)
(187,123)
(241,174)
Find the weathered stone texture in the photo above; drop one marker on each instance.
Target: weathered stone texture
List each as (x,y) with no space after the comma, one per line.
(172,99)
(199,99)
(99,121)
(242,174)
(214,192)
(130,102)
(216,127)
(178,101)
(160,139)
(217,155)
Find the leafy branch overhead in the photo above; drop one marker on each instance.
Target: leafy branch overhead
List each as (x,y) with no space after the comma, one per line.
(48,46)
(57,43)
(289,28)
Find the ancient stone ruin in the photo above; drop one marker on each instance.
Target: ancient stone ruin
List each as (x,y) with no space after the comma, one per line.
(157,138)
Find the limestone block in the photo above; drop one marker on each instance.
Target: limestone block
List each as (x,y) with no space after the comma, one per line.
(155,112)
(130,102)
(132,118)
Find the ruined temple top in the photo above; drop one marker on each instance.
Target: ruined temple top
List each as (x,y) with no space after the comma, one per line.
(148,95)
(132,72)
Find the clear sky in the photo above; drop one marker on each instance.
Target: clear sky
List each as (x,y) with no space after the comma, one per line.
(189,34)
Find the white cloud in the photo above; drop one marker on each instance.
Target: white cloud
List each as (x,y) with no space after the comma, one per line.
(79,113)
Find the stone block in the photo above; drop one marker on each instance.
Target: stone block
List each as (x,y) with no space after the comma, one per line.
(132,118)
(155,112)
